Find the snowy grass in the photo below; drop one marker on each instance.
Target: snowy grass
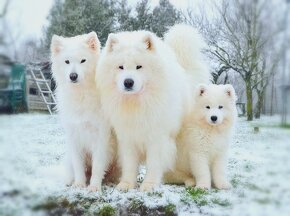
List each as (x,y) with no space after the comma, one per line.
(32,147)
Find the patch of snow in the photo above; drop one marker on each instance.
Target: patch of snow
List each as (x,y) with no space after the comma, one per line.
(32,148)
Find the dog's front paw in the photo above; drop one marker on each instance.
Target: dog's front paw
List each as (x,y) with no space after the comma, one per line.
(223,185)
(190,182)
(125,186)
(148,186)
(95,188)
(204,186)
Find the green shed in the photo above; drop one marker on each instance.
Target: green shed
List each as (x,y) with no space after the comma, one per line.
(12,87)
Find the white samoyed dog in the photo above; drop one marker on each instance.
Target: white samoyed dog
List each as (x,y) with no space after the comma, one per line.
(90,145)
(145,92)
(204,140)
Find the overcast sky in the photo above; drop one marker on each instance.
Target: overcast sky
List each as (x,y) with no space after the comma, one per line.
(27,18)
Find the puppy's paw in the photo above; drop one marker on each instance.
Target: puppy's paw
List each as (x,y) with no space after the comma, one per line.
(95,188)
(190,182)
(148,186)
(125,186)
(223,185)
(203,186)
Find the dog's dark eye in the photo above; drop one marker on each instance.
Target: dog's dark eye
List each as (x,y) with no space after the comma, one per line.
(83,60)
(220,107)
(208,107)
(121,67)
(66,61)
(138,67)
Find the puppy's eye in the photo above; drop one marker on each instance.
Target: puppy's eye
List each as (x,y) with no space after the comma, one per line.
(83,60)
(121,67)
(66,61)
(220,107)
(138,67)
(208,107)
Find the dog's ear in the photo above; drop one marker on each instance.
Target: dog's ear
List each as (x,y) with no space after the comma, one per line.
(149,41)
(93,41)
(111,42)
(230,91)
(201,89)
(56,44)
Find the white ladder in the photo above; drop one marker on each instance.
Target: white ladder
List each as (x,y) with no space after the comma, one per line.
(38,82)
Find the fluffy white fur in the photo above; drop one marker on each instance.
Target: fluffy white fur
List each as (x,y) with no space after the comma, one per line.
(88,134)
(202,144)
(148,116)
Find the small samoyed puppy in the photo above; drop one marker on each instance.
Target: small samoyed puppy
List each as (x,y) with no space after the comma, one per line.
(204,140)
(145,92)
(90,144)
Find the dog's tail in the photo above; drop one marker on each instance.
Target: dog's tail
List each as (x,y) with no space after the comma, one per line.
(187,44)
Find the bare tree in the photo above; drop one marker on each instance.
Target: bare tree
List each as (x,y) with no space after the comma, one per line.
(267,70)
(10,35)
(238,35)
(4,10)
(3,13)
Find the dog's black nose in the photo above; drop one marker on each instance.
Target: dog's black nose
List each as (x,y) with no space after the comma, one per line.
(128,83)
(213,118)
(73,77)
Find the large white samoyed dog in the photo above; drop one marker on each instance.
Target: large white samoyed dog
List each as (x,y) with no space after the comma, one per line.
(205,137)
(145,93)
(90,145)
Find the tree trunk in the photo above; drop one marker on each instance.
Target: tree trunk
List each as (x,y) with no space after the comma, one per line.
(259,105)
(249,93)
(272,97)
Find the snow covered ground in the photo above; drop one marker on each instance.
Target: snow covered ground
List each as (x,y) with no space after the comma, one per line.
(32,148)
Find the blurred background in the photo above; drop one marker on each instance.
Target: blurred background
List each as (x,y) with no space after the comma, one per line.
(247,45)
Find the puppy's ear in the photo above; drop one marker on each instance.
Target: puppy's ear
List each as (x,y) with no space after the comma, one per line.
(111,42)
(93,41)
(201,89)
(230,91)
(149,41)
(56,44)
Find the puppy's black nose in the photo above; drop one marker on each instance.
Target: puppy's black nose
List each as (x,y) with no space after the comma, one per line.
(73,77)
(213,118)
(128,83)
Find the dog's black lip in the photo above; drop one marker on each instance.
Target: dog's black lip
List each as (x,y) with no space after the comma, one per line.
(128,89)
(74,81)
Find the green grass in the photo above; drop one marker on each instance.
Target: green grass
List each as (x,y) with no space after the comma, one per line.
(221,202)
(154,194)
(287,126)
(80,205)
(196,195)
(170,209)
(236,180)
(49,204)
(203,197)
(135,204)
(254,187)
(196,192)
(107,210)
